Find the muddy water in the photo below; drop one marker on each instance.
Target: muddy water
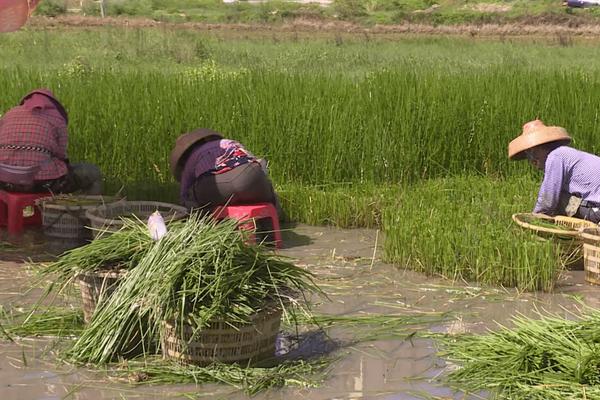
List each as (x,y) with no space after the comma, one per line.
(348,267)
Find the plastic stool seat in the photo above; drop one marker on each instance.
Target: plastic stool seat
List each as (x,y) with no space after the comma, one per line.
(12,205)
(247,213)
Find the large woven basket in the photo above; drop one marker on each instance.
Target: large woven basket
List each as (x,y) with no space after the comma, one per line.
(223,341)
(63,216)
(97,285)
(109,218)
(591,254)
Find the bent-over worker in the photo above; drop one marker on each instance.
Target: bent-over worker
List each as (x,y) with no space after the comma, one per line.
(215,171)
(571,184)
(33,149)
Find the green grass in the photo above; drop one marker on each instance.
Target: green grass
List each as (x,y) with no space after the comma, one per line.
(367,12)
(461,228)
(351,127)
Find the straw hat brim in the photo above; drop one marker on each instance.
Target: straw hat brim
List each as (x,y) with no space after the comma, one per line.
(541,135)
(183,144)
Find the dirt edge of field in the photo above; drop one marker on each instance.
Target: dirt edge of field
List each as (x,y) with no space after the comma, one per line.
(528,27)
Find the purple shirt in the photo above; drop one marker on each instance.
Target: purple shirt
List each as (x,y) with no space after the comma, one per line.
(568,172)
(202,159)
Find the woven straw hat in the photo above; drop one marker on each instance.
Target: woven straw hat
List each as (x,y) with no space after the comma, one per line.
(183,144)
(534,134)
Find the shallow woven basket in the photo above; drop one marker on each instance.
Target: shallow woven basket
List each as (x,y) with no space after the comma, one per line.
(224,342)
(574,225)
(109,218)
(68,221)
(591,254)
(95,285)
(569,239)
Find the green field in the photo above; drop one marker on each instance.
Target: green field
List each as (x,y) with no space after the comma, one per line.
(364,12)
(359,131)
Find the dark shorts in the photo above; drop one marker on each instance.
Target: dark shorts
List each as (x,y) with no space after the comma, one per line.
(245,184)
(589,213)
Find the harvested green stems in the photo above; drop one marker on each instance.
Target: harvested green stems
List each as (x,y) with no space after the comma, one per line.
(370,327)
(201,271)
(547,359)
(121,250)
(42,321)
(250,379)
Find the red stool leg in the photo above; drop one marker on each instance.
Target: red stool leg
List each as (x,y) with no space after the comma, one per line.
(249,226)
(3,213)
(36,218)
(271,212)
(15,216)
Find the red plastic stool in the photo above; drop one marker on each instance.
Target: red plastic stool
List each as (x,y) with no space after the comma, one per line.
(247,213)
(12,205)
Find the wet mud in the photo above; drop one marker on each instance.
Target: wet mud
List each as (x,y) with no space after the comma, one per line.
(348,267)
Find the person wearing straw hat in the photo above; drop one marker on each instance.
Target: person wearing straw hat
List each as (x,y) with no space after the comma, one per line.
(33,149)
(215,171)
(571,184)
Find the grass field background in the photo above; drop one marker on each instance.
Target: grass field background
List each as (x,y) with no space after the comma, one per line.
(358,132)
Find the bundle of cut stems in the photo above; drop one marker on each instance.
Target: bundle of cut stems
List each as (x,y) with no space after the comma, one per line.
(121,250)
(201,271)
(549,358)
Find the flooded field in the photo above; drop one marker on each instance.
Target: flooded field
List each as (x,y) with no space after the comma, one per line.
(347,266)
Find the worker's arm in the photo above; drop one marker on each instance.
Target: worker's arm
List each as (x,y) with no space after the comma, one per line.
(551,188)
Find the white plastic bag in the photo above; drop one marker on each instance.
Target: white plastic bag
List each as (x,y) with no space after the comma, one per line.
(156,226)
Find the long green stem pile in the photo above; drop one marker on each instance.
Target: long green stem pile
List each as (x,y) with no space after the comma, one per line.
(547,359)
(121,250)
(199,272)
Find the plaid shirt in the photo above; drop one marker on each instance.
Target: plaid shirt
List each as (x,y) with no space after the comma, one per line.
(40,129)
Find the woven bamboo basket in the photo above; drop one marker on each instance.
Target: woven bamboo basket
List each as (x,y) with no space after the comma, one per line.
(109,218)
(573,225)
(63,216)
(591,254)
(224,342)
(569,238)
(97,285)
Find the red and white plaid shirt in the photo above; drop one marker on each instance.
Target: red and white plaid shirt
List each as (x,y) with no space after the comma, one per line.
(35,135)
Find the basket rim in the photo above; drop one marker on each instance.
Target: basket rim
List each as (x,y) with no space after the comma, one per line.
(585,234)
(117,220)
(46,202)
(270,311)
(573,232)
(113,273)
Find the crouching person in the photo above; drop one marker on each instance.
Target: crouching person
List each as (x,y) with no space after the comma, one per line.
(571,184)
(215,171)
(33,150)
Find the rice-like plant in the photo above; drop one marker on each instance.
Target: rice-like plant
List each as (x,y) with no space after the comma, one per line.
(121,250)
(200,271)
(53,321)
(461,228)
(551,358)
